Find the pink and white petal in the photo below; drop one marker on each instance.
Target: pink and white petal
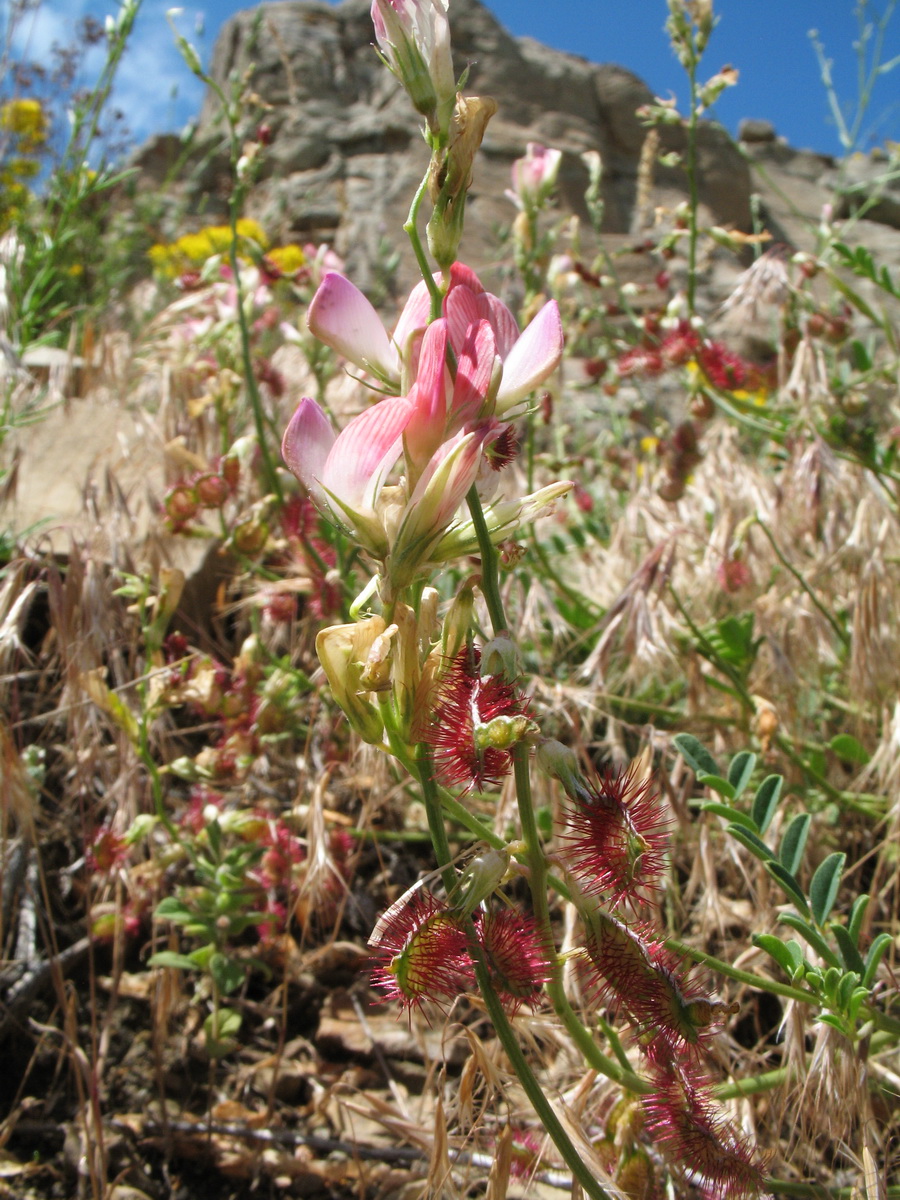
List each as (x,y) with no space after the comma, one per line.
(342,318)
(306,445)
(503,323)
(461,311)
(428,395)
(415,315)
(365,450)
(535,356)
(474,370)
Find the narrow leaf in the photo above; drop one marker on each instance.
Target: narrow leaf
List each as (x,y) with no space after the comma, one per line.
(794,842)
(811,936)
(847,946)
(857,915)
(874,957)
(788,885)
(695,754)
(766,801)
(754,844)
(168,958)
(740,770)
(778,950)
(729,814)
(823,887)
(717,784)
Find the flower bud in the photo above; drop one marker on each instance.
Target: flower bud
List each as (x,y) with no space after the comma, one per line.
(450,176)
(343,651)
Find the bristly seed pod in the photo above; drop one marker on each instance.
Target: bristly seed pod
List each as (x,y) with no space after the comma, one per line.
(422,951)
(514,955)
(686,1123)
(615,838)
(475,724)
(637,971)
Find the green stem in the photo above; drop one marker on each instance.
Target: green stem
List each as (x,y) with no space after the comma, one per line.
(436,826)
(693,190)
(747,977)
(533,1089)
(411,229)
(490,575)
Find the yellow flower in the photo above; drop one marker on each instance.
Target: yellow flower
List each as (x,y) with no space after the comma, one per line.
(287,259)
(25,117)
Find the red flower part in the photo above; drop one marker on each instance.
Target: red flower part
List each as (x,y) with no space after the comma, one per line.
(616,837)
(640,360)
(503,450)
(212,490)
(422,952)
(733,574)
(514,955)
(686,1123)
(721,367)
(464,750)
(680,346)
(105,851)
(636,971)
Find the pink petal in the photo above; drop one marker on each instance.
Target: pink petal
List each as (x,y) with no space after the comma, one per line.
(306,444)
(463,276)
(503,323)
(461,310)
(342,318)
(474,367)
(426,427)
(415,315)
(365,450)
(535,355)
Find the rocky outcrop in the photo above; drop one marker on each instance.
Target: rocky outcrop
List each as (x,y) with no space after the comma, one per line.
(346,153)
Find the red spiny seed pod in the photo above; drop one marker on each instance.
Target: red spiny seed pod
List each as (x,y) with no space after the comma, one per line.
(640,360)
(685,1122)
(422,951)
(721,367)
(636,971)
(514,955)
(474,724)
(615,838)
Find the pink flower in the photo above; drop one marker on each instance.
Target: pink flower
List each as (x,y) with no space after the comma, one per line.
(341,317)
(414,37)
(344,473)
(534,176)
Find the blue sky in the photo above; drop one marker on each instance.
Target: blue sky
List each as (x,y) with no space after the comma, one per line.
(767,40)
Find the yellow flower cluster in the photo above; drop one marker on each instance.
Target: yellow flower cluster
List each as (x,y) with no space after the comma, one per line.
(192,250)
(26,119)
(287,259)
